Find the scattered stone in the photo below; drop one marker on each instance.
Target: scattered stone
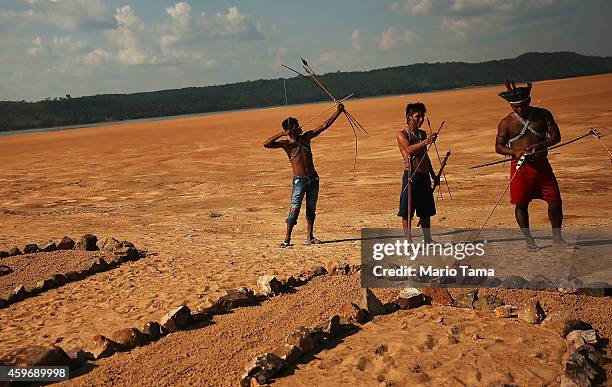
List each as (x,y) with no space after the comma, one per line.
(59,279)
(98,265)
(334,267)
(125,254)
(14,251)
(153,330)
(540,282)
(332,328)
(262,368)
(531,312)
(352,312)
(269,285)
(301,338)
(199,316)
(177,319)
(438,296)
(488,302)
(290,353)
(581,369)
(3,303)
(4,270)
(574,340)
(88,242)
(48,246)
(31,248)
(491,282)
(391,307)
(290,282)
(597,289)
(104,347)
(569,286)
(514,282)
(109,244)
(66,244)
(19,293)
(466,299)
(4,254)
(563,322)
(72,276)
(410,298)
(589,336)
(319,271)
(37,356)
(45,285)
(381,349)
(78,357)
(371,303)
(235,298)
(129,338)
(212,307)
(506,311)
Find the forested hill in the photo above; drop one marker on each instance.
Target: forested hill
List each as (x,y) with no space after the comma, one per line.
(393,80)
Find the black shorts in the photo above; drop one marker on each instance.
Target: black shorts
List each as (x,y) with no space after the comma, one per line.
(422,196)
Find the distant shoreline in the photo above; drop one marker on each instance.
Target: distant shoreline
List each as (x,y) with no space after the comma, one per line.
(4,133)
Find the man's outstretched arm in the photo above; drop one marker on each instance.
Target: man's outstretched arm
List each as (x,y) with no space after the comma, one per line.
(273,142)
(315,132)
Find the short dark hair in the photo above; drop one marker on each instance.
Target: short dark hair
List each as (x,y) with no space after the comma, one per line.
(289,122)
(415,107)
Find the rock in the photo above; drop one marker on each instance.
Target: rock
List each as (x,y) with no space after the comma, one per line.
(37,356)
(59,279)
(352,312)
(104,347)
(563,322)
(235,298)
(491,282)
(488,302)
(302,339)
(109,244)
(78,357)
(14,251)
(153,330)
(19,293)
(3,303)
(290,353)
(269,285)
(531,312)
(88,242)
(410,298)
(319,271)
(4,270)
(212,307)
(540,282)
(31,248)
(333,327)
(199,316)
(371,303)
(589,336)
(48,246)
(72,276)
(290,282)
(262,368)
(598,289)
(506,311)
(98,265)
(177,319)
(466,299)
(581,369)
(129,338)
(66,244)
(334,267)
(437,296)
(514,282)
(45,285)
(125,254)
(4,254)
(569,286)
(574,340)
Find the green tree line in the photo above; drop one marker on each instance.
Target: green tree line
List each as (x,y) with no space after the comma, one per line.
(421,77)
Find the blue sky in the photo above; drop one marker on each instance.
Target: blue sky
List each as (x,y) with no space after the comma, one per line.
(51,48)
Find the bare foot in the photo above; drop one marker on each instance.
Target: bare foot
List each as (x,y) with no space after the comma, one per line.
(563,244)
(312,241)
(532,247)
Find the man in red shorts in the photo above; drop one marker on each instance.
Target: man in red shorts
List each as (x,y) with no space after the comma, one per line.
(530,130)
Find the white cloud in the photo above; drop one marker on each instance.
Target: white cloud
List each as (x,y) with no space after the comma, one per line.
(64,14)
(392,37)
(329,56)
(457,26)
(414,7)
(356,40)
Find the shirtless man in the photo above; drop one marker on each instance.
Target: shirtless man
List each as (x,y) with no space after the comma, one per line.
(417,191)
(305,179)
(530,130)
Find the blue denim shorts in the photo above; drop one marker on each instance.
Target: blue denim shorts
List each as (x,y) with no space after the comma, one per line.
(304,186)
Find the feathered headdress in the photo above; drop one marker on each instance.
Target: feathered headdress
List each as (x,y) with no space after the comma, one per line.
(515,95)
